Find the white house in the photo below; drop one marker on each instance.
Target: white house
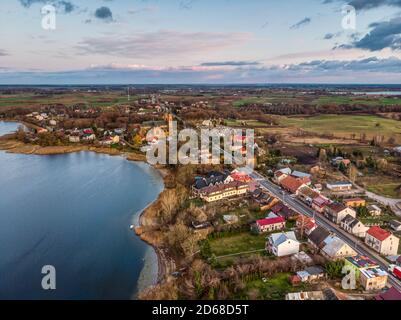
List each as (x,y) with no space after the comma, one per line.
(282,244)
(354,226)
(382,241)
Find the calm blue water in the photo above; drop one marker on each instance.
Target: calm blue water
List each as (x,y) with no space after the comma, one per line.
(8,127)
(73,212)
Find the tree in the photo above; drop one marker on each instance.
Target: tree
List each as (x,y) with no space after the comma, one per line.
(352,173)
(382,164)
(322,155)
(137,140)
(342,167)
(334,268)
(168,202)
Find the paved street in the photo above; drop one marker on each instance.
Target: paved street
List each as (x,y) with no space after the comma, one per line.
(357,244)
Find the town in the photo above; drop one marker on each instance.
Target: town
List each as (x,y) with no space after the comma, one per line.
(308,211)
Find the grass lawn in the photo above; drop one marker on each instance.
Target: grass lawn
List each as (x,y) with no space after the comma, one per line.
(345,125)
(237,243)
(274,288)
(382,218)
(387,189)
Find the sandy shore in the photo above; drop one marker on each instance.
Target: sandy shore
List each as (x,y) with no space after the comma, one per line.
(147,219)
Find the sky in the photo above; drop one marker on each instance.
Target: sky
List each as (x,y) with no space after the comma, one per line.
(199,42)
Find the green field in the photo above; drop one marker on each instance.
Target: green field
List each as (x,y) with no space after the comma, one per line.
(350,100)
(345,125)
(389,189)
(92,99)
(237,243)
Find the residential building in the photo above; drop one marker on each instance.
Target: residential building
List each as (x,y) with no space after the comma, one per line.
(282,244)
(223,191)
(339,186)
(355,202)
(316,237)
(265,200)
(354,226)
(320,203)
(374,210)
(325,294)
(336,212)
(312,274)
(306,224)
(212,178)
(367,272)
(282,210)
(374,279)
(340,160)
(291,184)
(360,263)
(74,138)
(307,194)
(334,248)
(299,174)
(391,294)
(382,241)
(270,224)
(281,174)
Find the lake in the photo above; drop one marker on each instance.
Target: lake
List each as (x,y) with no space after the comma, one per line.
(73,212)
(8,127)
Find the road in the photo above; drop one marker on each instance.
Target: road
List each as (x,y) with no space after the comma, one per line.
(300,207)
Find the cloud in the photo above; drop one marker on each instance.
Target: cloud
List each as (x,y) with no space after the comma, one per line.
(143,10)
(3,53)
(368,4)
(301,23)
(371,70)
(385,34)
(163,44)
(230,63)
(373,64)
(329,36)
(104,13)
(63,5)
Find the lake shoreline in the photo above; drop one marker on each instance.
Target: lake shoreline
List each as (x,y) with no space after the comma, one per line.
(147,216)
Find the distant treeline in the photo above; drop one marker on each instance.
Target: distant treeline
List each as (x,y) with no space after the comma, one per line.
(307,109)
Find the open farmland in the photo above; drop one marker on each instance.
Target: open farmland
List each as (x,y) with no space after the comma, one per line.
(345,125)
(91,99)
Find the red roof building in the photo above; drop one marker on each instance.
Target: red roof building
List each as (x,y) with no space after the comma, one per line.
(243,177)
(379,233)
(291,184)
(391,294)
(270,224)
(306,223)
(382,241)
